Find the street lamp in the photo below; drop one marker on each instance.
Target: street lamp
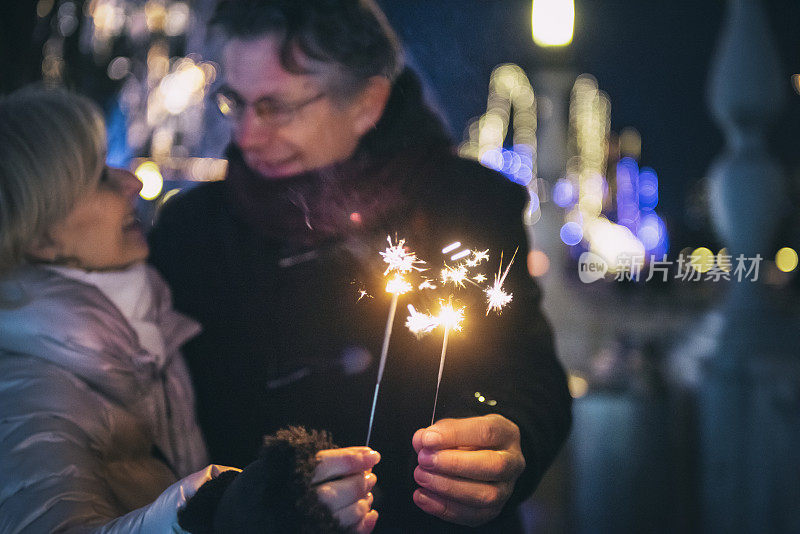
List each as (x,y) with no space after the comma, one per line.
(552,22)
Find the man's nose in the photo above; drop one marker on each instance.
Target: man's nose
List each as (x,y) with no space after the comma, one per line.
(126,182)
(251,132)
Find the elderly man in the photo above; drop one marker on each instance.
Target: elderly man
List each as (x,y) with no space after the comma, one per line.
(333,149)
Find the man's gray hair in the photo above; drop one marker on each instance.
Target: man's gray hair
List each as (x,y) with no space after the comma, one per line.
(351,35)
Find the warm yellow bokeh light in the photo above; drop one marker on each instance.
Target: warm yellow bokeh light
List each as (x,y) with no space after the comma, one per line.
(578,386)
(152,182)
(552,22)
(702,259)
(786,259)
(724,260)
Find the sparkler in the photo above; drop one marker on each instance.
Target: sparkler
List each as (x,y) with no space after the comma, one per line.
(451,319)
(400,261)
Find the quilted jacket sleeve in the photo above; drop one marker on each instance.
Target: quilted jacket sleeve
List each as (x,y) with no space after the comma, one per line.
(54,441)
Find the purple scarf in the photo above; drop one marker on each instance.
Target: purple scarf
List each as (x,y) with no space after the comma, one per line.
(318,206)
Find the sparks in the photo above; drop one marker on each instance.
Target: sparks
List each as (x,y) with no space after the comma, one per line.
(459,255)
(363,293)
(420,323)
(426,284)
(451,247)
(496,298)
(399,259)
(480,256)
(455,275)
(480,277)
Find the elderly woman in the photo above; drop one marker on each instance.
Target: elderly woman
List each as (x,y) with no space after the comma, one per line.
(97,424)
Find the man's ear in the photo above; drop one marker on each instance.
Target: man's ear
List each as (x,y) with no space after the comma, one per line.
(370,104)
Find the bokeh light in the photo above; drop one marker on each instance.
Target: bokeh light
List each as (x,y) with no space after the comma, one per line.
(786,259)
(724,260)
(648,189)
(702,259)
(552,22)
(538,263)
(578,386)
(564,193)
(630,143)
(571,233)
(152,182)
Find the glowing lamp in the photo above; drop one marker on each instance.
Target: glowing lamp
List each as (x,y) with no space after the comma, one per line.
(552,22)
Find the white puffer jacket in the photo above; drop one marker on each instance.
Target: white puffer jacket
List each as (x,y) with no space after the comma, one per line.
(96,433)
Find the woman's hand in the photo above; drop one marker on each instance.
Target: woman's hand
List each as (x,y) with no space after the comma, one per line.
(343,480)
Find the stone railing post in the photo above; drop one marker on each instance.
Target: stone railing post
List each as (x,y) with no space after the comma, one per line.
(750,396)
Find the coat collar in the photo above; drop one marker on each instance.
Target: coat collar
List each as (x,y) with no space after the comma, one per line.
(73,325)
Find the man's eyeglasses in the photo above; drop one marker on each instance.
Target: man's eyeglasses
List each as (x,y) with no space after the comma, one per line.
(267,109)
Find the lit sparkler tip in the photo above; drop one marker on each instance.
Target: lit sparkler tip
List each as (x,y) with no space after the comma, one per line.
(496,298)
(450,317)
(398,259)
(398,285)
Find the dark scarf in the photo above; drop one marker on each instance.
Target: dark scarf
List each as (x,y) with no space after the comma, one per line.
(365,191)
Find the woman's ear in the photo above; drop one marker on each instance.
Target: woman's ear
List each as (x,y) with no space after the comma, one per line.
(371,103)
(44,249)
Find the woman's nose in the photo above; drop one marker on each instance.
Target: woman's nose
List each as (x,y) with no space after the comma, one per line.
(126,183)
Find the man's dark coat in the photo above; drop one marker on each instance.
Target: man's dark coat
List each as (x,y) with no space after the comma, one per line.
(273,270)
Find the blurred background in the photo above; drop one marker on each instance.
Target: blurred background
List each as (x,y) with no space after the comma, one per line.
(659,144)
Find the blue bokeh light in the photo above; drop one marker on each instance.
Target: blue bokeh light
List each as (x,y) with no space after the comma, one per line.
(648,189)
(571,233)
(564,193)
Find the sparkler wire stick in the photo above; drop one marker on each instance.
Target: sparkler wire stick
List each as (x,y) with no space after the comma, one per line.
(384,351)
(441,368)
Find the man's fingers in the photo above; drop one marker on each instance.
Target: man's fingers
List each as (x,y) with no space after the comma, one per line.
(337,463)
(468,492)
(453,511)
(486,465)
(353,515)
(488,432)
(338,494)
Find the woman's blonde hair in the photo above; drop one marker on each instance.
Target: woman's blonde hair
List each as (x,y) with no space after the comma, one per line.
(52,151)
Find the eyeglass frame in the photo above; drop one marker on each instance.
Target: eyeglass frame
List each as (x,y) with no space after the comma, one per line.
(280,114)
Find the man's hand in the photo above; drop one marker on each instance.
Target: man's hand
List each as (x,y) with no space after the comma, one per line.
(343,480)
(467,467)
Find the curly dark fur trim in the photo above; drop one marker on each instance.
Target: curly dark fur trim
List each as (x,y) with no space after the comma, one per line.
(271,494)
(291,455)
